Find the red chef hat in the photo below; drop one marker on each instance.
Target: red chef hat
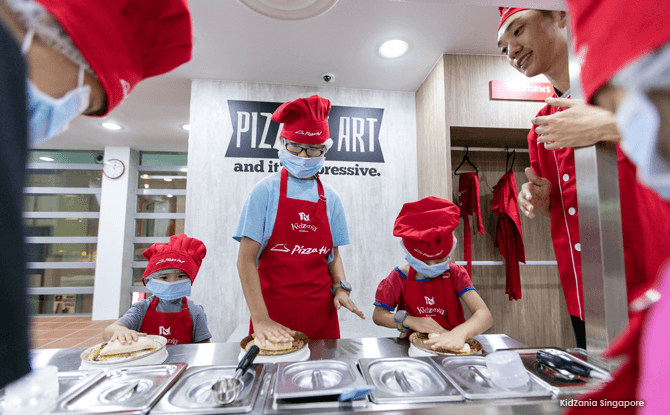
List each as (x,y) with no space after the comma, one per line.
(608,35)
(181,252)
(305,119)
(506,12)
(126,41)
(427,227)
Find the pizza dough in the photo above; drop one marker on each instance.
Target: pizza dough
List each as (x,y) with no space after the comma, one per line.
(115,347)
(273,346)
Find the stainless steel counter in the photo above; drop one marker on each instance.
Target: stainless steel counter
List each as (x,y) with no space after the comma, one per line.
(349,350)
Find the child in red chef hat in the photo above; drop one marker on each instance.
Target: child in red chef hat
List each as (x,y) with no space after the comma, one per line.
(172,269)
(425,291)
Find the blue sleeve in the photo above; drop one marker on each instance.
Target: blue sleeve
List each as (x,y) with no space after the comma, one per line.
(338,221)
(132,319)
(200,330)
(466,289)
(252,219)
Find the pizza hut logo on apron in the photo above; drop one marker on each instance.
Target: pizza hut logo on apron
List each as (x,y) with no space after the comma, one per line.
(354,130)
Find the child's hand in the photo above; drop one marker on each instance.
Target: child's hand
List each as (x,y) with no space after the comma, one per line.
(423,324)
(342,299)
(268,329)
(451,340)
(126,336)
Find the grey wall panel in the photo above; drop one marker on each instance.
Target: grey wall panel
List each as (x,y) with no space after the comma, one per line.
(216,193)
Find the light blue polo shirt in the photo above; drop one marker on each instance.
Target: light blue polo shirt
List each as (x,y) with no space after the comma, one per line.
(260,210)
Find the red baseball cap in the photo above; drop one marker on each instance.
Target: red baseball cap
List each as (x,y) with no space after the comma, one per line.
(126,41)
(506,12)
(305,119)
(181,252)
(427,227)
(608,35)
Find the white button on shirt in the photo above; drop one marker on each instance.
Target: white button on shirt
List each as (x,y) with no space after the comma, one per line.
(578,247)
(572,211)
(565,177)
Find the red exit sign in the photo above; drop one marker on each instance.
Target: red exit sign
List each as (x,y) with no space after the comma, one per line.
(521,91)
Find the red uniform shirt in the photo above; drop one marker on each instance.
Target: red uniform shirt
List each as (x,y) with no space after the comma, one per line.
(391,292)
(558,166)
(645,221)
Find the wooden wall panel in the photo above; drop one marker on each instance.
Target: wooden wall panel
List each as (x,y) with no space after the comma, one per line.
(467,93)
(540,317)
(432,131)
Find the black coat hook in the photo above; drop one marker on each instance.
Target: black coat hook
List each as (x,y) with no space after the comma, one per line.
(466,158)
(513,155)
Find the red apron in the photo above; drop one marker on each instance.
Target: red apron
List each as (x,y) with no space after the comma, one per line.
(293,267)
(176,327)
(509,239)
(468,201)
(435,298)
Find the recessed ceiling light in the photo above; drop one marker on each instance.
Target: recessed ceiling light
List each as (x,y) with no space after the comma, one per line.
(44,158)
(169,195)
(145,176)
(167,180)
(186,127)
(146,186)
(393,48)
(111,126)
(185,169)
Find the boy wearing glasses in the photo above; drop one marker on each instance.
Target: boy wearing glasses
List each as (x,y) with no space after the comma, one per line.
(289,232)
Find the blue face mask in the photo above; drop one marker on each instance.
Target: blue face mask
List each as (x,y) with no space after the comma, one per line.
(49,116)
(426,271)
(300,167)
(168,291)
(639,122)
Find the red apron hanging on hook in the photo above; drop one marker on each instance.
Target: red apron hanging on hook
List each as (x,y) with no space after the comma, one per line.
(509,239)
(468,201)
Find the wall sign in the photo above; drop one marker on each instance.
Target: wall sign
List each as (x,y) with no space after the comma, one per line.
(354,130)
(521,91)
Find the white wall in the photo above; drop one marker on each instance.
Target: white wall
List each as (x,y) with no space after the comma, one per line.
(216,193)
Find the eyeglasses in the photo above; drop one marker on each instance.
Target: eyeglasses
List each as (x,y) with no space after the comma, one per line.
(310,151)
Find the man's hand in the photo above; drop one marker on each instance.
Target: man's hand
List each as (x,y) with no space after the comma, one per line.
(534,195)
(423,325)
(580,125)
(126,336)
(451,340)
(342,299)
(267,329)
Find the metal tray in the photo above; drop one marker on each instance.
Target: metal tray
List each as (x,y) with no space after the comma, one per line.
(192,392)
(132,390)
(304,405)
(471,377)
(68,383)
(557,386)
(315,378)
(408,380)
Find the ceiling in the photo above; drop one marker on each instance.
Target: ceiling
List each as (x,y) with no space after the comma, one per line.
(234,43)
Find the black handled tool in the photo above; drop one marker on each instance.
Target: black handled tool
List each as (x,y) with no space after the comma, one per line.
(561,362)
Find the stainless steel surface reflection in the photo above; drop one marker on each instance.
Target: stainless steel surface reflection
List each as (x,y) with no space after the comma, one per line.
(407,380)
(471,377)
(345,350)
(315,378)
(192,393)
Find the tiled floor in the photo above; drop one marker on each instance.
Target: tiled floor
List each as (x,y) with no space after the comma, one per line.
(64,332)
